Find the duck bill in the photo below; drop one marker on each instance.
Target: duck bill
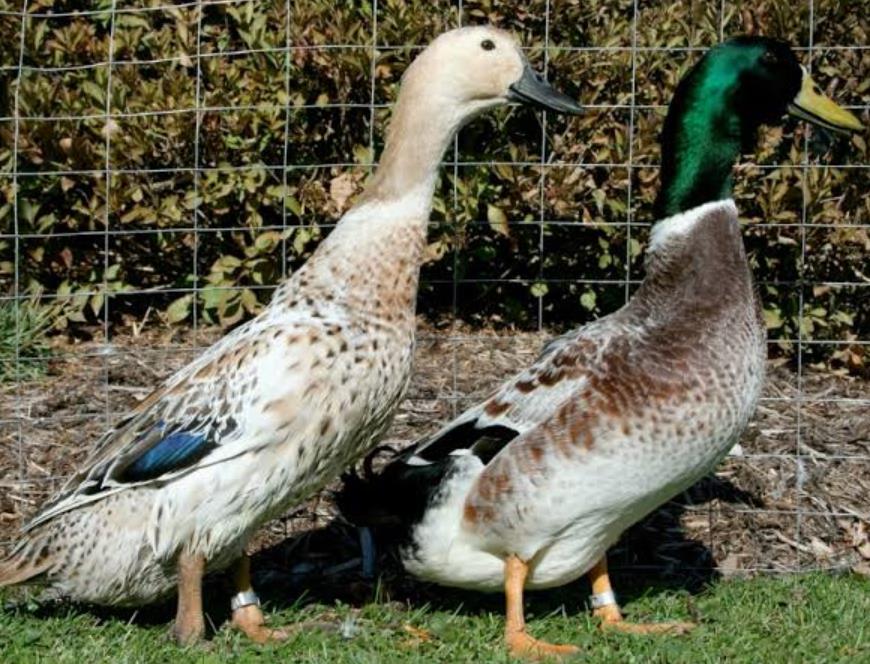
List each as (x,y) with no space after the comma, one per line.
(533,90)
(812,106)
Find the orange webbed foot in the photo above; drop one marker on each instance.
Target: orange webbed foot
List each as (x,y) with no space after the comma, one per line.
(612,620)
(250,620)
(523,646)
(674,628)
(606,609)
(189,630)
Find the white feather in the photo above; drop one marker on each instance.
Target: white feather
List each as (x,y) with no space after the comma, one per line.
(678,225)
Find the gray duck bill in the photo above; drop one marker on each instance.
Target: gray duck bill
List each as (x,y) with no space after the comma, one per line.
(534,90)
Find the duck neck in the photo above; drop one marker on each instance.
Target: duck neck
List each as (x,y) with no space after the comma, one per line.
(702,140)
(378,245)
(416,140)
(696,250)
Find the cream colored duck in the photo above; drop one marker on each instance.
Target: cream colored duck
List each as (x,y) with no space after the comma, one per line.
(529,488)
(278,407)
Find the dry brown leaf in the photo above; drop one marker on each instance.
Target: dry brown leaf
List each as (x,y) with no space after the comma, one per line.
(820,549)
(341,188)
(418,632)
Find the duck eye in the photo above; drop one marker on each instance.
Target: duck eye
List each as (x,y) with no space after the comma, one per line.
(487,45)
(769,58)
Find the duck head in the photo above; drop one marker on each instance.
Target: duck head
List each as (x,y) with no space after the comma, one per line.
(462,73)
(719,105)
(476,68)
(766,81)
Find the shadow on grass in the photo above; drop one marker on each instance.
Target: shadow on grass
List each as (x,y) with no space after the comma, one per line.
(652,557)
(322,567)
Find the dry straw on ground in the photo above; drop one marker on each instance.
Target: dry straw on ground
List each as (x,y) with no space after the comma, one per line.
(774,507)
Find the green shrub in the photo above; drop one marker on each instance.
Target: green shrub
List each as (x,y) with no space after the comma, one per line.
(526,245)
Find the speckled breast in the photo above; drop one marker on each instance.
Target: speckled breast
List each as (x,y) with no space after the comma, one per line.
(697,408)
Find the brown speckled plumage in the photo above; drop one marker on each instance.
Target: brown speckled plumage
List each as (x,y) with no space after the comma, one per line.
(650,372)
(610,421)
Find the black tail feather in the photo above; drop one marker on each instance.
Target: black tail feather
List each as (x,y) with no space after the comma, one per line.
(394,498)
(397,496)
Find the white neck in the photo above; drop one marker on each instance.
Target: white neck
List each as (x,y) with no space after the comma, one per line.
(400,191)
(676,227)
(377,216)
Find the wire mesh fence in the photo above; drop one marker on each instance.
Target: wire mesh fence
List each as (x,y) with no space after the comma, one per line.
(539,223)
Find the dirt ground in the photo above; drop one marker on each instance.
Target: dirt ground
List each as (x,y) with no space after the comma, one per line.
(794,496)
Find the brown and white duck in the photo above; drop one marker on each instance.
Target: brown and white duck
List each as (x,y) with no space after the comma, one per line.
(529,488)
(278,407)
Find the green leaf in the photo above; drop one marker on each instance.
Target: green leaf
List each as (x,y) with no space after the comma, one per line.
(844,317)
(599,197)
(772,319)
(498,220)
(265,242)
(249,301)
(179,309)
(293,205)
(27,209)
(362,154)
(96,303)
(227,263)
(98,93)
(212,297)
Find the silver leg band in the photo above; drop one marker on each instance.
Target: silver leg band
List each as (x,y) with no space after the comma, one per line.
(244,598)
(602,599)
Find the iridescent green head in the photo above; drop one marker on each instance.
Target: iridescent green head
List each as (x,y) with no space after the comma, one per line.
(717,109)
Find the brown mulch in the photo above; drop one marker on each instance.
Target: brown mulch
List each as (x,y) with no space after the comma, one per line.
(796,497)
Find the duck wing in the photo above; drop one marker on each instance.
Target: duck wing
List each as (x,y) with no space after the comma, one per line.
(518,405)
(200,416)
(401,493)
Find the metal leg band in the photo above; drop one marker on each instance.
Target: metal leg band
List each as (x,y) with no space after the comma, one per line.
(244,598)
(599,600)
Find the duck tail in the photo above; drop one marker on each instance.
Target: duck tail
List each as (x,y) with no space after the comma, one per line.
(27,562)
(393,498)
(364,498)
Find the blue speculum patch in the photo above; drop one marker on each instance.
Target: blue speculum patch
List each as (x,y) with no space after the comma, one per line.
(176,450)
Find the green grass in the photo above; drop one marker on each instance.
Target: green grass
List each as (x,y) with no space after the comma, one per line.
(809,618)
(25,325)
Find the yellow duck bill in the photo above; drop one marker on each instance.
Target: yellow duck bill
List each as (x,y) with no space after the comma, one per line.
(811,105)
